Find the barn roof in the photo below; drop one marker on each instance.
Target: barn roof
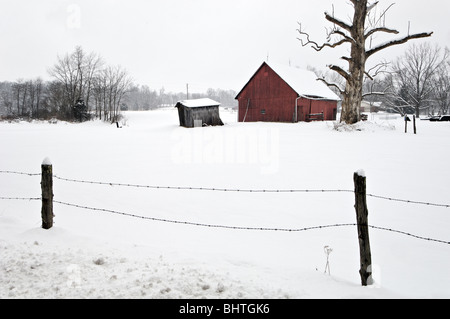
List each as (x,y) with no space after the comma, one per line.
(198,103)
(303,82)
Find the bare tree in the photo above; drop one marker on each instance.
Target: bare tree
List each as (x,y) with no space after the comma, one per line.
(442,87)
(76,72)
(359,34)
(6,98)
(110,86)
(415,76)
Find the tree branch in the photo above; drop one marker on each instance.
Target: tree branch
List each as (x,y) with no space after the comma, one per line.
(332,85)
(338,22)
(379,68)
(381,29)
(343,35)
(315,45)
(340,71)
(377,93)
(397,42)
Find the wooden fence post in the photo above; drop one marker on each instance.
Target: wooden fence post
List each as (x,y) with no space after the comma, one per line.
(414,124)
(47,194)
(363,228)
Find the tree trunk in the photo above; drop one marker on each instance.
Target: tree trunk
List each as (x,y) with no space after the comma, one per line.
(351,103)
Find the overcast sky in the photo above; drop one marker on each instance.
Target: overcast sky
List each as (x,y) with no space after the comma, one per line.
(206,43)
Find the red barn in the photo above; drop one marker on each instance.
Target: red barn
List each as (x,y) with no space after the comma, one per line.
(277,93)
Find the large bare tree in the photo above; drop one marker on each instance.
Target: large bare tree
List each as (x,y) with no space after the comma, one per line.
(358,33)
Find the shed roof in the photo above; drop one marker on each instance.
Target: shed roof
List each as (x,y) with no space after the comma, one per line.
(198,103)
(303,82)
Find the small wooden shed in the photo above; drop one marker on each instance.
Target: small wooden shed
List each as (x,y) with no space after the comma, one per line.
(279,93)
(199,112)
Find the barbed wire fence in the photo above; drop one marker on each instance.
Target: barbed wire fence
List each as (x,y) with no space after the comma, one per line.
(209,189)
(360,193)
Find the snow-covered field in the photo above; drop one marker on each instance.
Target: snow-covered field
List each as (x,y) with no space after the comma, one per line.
(109,254)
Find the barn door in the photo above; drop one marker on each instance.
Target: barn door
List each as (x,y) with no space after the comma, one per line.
(300,115)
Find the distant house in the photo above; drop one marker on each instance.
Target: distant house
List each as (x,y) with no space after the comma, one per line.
(277,93)
(198,113)
(370,107)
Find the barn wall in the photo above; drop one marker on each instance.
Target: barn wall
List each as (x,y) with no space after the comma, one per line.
(307,106)
(271,98)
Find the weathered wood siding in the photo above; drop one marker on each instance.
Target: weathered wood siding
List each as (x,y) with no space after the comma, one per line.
(209,115)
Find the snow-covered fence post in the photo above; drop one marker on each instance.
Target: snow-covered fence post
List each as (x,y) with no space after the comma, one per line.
(363,227)
(47,194)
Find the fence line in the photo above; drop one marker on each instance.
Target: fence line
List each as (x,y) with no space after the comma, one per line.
(231,189)
(249,190)
(227,226)
(245,227)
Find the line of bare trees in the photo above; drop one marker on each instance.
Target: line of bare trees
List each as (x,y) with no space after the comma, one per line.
(24,98)
(82,87)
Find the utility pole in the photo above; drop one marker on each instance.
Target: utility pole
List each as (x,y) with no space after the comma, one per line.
(187,91)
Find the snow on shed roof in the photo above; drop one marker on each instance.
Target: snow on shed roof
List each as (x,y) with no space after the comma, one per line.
(198,103)
(304,82)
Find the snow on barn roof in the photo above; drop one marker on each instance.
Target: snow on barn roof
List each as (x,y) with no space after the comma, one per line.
(198,103)
(304,82)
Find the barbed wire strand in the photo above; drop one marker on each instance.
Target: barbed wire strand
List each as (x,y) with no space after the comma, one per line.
(20,198)
(250,190)
(206,188)
(234,189)
(245,227)
(19,173)
(199,224)
(408,201)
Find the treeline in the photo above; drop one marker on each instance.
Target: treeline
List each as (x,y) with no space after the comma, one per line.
(142,98)
(83,87)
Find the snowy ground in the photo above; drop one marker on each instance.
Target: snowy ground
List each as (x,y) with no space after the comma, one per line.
(101,254)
